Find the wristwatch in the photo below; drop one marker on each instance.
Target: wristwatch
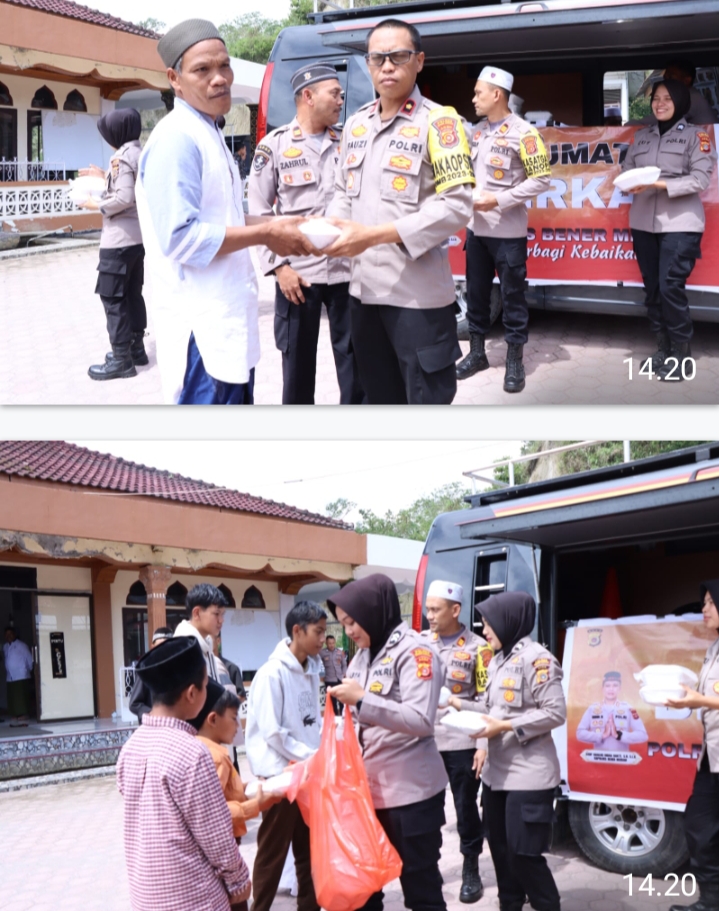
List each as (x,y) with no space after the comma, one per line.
(358,705)
(619,735)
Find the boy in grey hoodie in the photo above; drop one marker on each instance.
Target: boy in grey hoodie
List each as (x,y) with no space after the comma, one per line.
(283,726)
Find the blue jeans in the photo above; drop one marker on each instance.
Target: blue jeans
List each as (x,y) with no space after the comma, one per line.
(199,388)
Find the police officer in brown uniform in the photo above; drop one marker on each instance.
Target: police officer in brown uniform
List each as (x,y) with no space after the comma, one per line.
(465,657)
(512,166)
(335,664)
(523,702)
(294,167)
(667,219)
(393,685)
(405,182)
(701,818)
(122,255)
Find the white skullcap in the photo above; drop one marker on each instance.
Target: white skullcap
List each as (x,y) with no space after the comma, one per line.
(448,590)
(494,76)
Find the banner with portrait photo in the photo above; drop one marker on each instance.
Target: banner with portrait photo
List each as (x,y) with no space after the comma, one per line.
(618,745)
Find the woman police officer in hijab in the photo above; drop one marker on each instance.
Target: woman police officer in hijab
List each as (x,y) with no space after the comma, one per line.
(393,685)
(122,254)
(701,818)
(521,705)
(667,219)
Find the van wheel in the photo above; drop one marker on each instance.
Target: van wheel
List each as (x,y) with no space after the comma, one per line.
(628,839)
(461,306)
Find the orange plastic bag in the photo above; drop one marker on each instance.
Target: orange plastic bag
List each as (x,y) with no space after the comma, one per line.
(352,858)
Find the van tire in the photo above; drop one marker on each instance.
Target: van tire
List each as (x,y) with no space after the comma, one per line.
(587,819)
(462,324)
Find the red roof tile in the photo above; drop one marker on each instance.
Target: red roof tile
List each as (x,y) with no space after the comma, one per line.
(66,463)
(75,11)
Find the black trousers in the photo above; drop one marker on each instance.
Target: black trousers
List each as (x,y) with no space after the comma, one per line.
(405,356)
(666,261)
(465,788)
(119,284)
(701,824)
(416,833)
(297,329)
(519,831)
(507,257)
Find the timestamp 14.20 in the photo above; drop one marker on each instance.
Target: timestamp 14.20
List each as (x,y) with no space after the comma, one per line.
(669,885)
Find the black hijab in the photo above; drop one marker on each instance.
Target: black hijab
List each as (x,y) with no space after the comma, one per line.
(373,604)
(679,94)
(511,616)
(711,586)
(119,127)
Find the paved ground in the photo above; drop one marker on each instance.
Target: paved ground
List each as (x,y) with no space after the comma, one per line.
(52,329)
(62,851)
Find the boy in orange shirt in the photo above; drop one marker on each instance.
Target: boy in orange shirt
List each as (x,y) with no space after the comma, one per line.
(217,725)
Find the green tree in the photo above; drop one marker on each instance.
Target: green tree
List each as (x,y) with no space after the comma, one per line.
(339,508)
(599,456)
(299,10)
(414,521)
(250,36)
(154,25)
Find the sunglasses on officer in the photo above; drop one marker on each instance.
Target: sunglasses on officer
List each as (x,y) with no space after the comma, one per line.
(397,58)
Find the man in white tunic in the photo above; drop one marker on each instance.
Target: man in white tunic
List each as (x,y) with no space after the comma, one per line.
(189,199)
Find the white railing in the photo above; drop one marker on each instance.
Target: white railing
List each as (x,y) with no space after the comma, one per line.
(24,170)
(43,199)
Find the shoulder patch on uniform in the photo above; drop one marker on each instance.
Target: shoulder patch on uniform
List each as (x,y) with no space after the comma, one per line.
(448,149)
(394,638)
(705,144)
(680,126)
(542,676)
(533,154)
(542,662)
(423,660)
(263,154)
(485,654)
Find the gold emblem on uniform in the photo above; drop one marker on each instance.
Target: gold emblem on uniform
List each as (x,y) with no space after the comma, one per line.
(704,142)
(435,637)
(509,682)
(458,675)
(530,144)
(400,184)
(504,128)
(296,133)
(360,130)
(376,686)
(292,152)
(541,662)
(496,161)
(447,129)
(498,175)
(542,676)
(501,142)
(351,159)
(457,688)
(477,135)
(461,641)
(308,76)
(287,178)
(350,180)
(409,132)
(308,175)
(594,637)
(462,656)
(388,659)
(509,696)
(716,687)
(423,659)
(401,162)
(332,133)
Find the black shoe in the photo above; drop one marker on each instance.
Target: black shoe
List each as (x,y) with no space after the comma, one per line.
(663,351)
(678,350)
(472,889)
(137,350)
(476,360)
(708,900)
(514,372)
(117,366)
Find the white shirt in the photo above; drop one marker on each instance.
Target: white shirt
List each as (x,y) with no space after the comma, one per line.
(18,660)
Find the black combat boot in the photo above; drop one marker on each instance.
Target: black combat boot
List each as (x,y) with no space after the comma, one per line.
(663,349)
(678,350)
(514,372)
(137,350)
(476,360)
(472,889)
(117,365)
(708,899)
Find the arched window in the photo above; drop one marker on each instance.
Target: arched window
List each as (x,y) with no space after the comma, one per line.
(229,597)
(176,595)
(5,96)
(137,594)
(44,98)
(74,102)
(253,598)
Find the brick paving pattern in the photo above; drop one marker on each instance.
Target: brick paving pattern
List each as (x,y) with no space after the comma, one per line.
(62,851)
(52,328)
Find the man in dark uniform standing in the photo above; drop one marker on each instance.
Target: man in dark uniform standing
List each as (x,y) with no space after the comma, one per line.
(465,657)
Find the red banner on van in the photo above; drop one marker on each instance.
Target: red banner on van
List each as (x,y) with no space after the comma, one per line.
(617,744)
(579,230)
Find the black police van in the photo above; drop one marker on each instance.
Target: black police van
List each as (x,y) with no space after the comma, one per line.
(656,522)
(559,52)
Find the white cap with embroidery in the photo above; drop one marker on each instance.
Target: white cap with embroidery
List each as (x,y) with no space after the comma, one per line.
(448,590)
(495,76)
